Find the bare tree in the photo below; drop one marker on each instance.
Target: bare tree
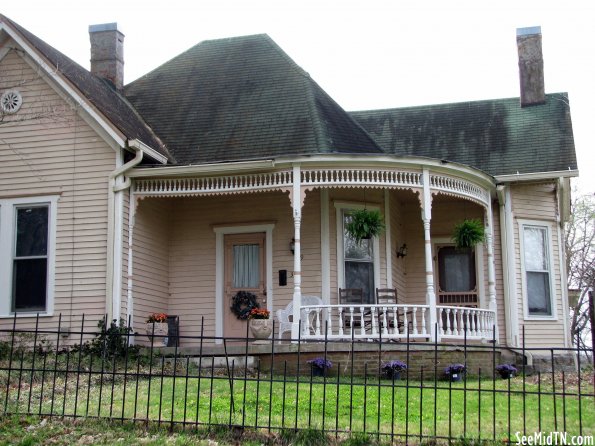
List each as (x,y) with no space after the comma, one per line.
(580,264)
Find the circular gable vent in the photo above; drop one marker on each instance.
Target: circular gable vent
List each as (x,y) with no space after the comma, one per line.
(11,101)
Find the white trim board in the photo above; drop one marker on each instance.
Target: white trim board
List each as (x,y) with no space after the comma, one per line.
(7,241)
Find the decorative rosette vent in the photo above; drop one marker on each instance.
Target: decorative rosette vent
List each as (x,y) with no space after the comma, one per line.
(11,101)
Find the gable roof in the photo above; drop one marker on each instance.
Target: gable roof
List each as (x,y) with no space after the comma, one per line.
(242,98)
(98,91)
(497,136)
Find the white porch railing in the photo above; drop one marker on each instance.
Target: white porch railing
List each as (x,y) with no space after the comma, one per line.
(388,322)
(464,322)
(365,321)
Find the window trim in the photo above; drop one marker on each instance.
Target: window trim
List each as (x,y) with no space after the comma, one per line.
(480,280)
(340,207)
(522,224)
(8,213)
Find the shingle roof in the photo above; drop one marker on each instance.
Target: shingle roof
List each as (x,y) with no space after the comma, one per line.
(98,91)
(242,98)
(497,136)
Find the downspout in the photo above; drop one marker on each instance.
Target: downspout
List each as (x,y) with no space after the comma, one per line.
(115,229)
(561,218)
(507,264)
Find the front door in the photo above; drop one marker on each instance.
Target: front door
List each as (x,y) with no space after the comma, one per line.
(244,271)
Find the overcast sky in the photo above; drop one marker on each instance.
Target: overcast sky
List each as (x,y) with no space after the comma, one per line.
(365,54)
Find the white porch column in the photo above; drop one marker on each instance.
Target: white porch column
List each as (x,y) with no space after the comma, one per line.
(489,222)
(426,215)
(296,203)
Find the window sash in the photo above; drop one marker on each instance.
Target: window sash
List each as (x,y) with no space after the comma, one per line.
(358,263)
(30,257)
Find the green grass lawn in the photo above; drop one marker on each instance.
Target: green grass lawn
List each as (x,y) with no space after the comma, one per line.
(474,409)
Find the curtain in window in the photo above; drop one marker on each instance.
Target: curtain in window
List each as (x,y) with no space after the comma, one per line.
(456,269)
(246,266)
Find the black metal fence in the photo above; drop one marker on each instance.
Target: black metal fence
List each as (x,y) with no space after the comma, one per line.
(272,385)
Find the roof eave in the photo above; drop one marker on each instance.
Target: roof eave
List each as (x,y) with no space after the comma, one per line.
(537,176)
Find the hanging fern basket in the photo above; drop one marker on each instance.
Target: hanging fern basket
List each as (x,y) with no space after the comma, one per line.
(365,224)
(468,233)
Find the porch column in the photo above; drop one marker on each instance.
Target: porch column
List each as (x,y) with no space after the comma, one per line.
(296,204)
(489,223)
(426,215)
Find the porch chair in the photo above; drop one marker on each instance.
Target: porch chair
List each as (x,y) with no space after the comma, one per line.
(387,296)
(285,315)
(351,296)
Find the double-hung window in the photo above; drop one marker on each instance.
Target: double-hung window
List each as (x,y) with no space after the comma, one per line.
(27,235)
(357,262)
(537,272)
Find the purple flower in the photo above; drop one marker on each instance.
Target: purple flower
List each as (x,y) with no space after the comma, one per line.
(454,369)
(394,366)
(320,363)
(506,368)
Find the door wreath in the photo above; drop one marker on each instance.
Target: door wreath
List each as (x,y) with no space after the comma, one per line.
(242,303)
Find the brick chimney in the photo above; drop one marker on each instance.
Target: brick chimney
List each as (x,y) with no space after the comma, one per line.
(528,42)
(107,53)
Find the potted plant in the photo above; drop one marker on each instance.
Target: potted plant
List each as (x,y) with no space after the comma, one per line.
(364,224)
(157,328)
(392,369)
(260,324)
(455,372)
(506,371)
(320,366)
(468,233)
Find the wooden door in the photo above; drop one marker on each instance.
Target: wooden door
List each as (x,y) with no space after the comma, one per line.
(244,271)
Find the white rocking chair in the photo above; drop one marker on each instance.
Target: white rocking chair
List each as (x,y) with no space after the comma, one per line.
(285,315)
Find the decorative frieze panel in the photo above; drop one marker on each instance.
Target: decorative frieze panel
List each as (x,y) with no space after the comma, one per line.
(361,177)
(282,180)
(458,187)
(232,184)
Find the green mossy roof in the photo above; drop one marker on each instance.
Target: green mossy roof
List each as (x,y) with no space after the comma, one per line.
(497,136)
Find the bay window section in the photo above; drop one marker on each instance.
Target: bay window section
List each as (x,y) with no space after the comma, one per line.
(537,270)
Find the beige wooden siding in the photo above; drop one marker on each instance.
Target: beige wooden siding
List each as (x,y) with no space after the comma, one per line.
(192,251)
(538,202)
(150,257)
(397,239)
(414,265)
(52,151)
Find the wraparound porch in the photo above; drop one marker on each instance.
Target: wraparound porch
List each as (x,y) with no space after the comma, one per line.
(195,213)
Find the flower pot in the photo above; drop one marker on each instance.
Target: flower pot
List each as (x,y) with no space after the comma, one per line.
(261,328)
(506,374)
(317,371)
(393,375)
(454,377)
(158,334)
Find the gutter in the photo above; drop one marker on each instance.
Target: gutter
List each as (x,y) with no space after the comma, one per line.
(115,229)
(536,176)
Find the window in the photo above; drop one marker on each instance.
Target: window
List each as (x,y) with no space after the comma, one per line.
(457,277)
(30,262)
(537,270)
(27,234)
(358,262)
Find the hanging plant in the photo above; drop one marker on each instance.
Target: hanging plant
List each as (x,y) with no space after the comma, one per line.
(365,224)
(468,233)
